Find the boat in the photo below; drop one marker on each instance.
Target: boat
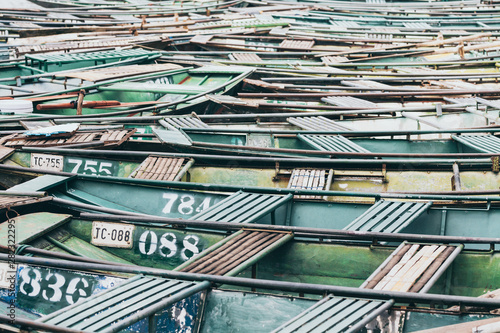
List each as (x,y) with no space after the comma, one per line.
(253,166)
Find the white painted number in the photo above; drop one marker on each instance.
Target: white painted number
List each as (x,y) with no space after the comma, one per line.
(72,288)
(33,282)
(171,197)
(56,287)
(103,166)
(153,243)
(77,163)
(204,205)
(89,166)
(31,286)
(167,241)
(168,245)
(185,204)
(189,244)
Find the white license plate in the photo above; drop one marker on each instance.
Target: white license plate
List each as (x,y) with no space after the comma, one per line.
(7,276)
(47,162)
(112,234)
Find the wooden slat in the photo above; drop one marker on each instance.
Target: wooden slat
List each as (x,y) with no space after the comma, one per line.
(410,268)
(307,179)
(234,252)
(297,44)
(159,168)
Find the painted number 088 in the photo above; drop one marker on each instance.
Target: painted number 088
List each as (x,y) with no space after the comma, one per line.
(167,246)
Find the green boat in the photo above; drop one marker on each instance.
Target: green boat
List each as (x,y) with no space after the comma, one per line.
(445,213)
(160,86)
(69,237)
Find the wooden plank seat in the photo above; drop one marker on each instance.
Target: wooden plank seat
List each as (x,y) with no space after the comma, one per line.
(184,121)
(5,152)
(107,137)
(329,60)
(307,179)
(412,267)
(317,124)
(367,84)
(336,314)
(335,143)
(297,44)
(155,88)
(119,307)
(99,56)
(242,207)
(235,253)
(491,103)
(8,201)
(481,143)
(349,102)
(245,57)
(389,216)
(161,168)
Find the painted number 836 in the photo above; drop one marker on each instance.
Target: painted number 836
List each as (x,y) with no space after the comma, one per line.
(52,287)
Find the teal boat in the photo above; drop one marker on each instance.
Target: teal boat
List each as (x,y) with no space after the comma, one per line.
(159,86)
(63,236)
(446,213)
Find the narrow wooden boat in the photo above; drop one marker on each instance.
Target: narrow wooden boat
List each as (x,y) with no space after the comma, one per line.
(160,86)
(72,276)
(445,213)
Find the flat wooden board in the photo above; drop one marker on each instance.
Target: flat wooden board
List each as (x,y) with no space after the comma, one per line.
(32,226)
(122,71)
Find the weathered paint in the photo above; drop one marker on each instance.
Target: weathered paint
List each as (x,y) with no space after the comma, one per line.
(417,321)
(84,165)
(77,245)
(149,200)
(243,312)
(24,228)
(154,247)
(237,176)
(41,291)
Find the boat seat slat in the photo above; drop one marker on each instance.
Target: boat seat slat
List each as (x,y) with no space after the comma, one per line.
(412,267)
(80,313)
(158,168)
(244,252)
(333,143)
(388,216)
(242,207)
(408,275)
(392,218)
(481,143)
(234,253)
(110,308)
(109,316)
(207,264)
(348,101)
(335,314)
(350,315)
(185,121)
(297,44)
(307,179)
(155,88)
(245,57)
(317,124)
